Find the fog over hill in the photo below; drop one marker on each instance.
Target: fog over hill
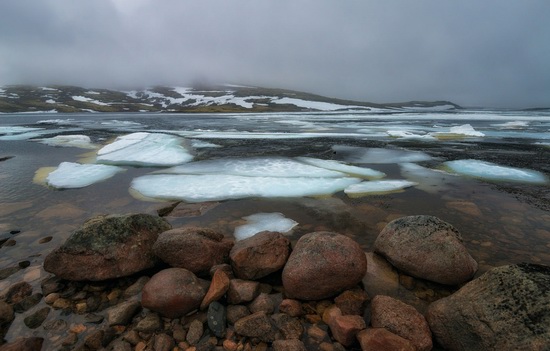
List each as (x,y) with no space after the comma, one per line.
(220,98)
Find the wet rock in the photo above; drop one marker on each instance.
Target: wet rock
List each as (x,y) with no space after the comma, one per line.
(121,345)
(352,302)
(24,344)
(288,345)
(17,292)
(163,342)
(123,313)
(194,334)
(257,325)
(426,247)
(151,323)
(50,285)
(107,247)
(93,318)
(218,287)
(173,292)
(37,318)
(262,302)
(27,303)
(289,327)
(57,325)
(401,319)
(195,249)
(217,319)
(242,291)
(345,328)
(236,312)
(6,272)
(291,307)
(259,255)
(323,264)
(6,313)
(136,288)
(507,308)
(381,339)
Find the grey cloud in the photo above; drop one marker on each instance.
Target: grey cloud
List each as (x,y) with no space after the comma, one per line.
(484,53)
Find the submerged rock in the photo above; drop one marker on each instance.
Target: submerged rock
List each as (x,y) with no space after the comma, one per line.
(323,264)
(507,308)
(107,247)
(195,249)
(426,247)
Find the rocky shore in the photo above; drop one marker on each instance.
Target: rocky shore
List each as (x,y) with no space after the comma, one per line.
(138,284)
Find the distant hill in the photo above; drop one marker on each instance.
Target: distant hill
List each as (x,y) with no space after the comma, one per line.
(222,98)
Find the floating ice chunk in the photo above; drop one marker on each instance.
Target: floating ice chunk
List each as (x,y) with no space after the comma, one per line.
(490,171)
(459,131)
(199,188)
(81,141)
(403,134)
(428,180)
(145,149)
(23,133)
(254,167)
(76,175)
(341,167)
(259,222)
(377,187)
(512,125)
(11,130)
(355,154)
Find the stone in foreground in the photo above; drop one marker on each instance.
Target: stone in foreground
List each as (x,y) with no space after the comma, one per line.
(322,265)
(107,247)
(195,249)
(426,247)
(401,319)
(173,292)
(259,255)
(507,308)
(381,339)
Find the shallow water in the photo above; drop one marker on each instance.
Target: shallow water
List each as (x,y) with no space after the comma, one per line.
(501,223)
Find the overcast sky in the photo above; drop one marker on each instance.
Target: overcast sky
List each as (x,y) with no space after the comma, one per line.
(493,53)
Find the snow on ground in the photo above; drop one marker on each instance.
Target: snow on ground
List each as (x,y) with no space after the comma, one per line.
(255,167)
(51,101)
(81,141)
(494,172)
(75,175)
(342,167)
(355,154)
(217,187)
(377,187)
(145,149)
(316,105)
(86,99)
(259,222)
(49,89)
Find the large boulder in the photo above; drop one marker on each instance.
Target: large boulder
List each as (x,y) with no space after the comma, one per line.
(259,255)
(107,247)
(426,247)
(507,308)
(196,249)
(173,292)
(322,265)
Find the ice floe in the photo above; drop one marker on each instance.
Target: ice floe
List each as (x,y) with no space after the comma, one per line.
(211,187)
(403,134)
(145,149)
(354,154)
(341,167)
(377,187)
(76,175)
(198,144)
(78,140)
(259,222)
(465,130)
(26,133)
(494,172)
(255,167)
(512,125)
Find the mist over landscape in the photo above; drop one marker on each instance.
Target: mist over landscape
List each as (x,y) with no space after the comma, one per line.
(488,54)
